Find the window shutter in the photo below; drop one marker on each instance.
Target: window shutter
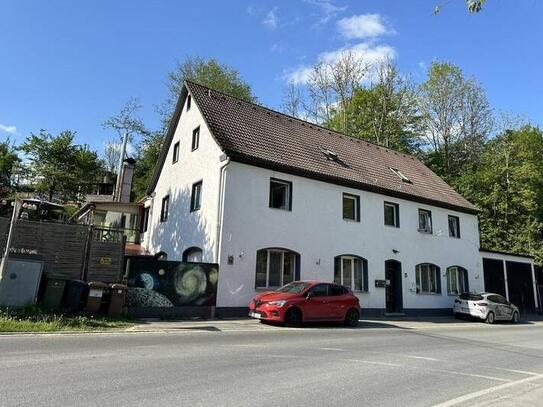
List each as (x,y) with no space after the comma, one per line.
(365,275)
(357,203)
(438,279)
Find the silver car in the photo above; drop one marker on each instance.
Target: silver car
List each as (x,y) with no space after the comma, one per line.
(486,306)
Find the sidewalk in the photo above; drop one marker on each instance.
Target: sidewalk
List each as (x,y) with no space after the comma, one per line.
(247,324)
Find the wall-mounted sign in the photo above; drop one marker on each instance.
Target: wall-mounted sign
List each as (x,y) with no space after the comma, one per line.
(105,260)
(380,283)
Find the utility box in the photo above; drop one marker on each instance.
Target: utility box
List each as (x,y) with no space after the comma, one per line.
(20,283)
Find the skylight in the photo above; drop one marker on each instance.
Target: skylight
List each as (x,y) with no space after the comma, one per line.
(401,175)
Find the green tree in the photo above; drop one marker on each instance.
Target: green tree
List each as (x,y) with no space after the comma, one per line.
(58,167)
(507,184)
(8,161)
(146,159)
(207,72)
(457,119)
(385,113)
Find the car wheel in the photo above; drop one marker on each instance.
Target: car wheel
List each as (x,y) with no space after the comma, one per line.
(293,317)
(516,318)
(351,318)
(490,319)
(457,315)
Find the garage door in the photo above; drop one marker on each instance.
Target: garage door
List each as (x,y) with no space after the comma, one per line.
(520,285)
(494,277)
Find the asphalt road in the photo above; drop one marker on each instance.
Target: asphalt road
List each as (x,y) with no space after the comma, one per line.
(249,364)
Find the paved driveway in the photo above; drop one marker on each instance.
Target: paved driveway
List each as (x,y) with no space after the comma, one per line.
(244,363)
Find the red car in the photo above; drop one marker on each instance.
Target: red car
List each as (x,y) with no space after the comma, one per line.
(303,301)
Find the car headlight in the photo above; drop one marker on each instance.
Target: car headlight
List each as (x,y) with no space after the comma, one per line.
(278,303)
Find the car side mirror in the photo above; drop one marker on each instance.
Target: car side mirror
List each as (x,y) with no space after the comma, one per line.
(309,295)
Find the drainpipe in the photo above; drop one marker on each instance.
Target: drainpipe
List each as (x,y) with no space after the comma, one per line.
(220,206)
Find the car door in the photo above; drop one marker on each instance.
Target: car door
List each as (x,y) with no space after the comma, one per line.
(339,301)
(500,306)
(317,304)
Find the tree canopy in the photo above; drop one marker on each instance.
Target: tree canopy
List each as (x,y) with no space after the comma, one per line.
(58,167)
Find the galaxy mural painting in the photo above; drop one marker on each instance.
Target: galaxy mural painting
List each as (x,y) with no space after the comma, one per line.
(161,283)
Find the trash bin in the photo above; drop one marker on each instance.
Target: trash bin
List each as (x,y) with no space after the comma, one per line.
(117,300)
(94,300)
(54,291)
(76,296)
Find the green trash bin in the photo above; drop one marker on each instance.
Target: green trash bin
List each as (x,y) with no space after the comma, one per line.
(54,291)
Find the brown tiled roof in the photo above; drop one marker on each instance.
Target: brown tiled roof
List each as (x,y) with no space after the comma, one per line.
(259,136)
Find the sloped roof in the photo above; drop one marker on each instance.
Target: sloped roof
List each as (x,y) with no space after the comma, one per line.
(255,135)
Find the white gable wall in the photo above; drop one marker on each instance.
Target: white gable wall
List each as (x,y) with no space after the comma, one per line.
(185,229)
(315,229)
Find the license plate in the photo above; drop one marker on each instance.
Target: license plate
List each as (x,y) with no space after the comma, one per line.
(256,315)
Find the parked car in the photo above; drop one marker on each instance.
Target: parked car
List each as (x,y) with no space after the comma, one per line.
(303,301)
(488,307)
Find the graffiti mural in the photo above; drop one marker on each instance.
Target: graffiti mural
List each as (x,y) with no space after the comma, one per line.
(161,283)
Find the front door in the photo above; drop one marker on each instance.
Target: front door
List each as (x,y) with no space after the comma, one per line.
(393,290)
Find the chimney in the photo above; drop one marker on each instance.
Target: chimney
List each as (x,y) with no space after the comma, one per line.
(127,173)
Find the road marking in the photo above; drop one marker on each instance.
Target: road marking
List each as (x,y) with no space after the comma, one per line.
(423,358)
(334,349)
(484,392)
(371,362)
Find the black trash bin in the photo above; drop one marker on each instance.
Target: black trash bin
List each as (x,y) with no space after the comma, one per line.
(76,296)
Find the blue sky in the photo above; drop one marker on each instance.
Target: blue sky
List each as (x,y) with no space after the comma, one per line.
(71,64)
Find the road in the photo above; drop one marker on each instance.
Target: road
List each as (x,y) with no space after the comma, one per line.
(249,364)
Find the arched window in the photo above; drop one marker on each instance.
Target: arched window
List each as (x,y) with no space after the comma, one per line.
(276,267)
(457,280)
(351,271)
(192,255)
(428,279)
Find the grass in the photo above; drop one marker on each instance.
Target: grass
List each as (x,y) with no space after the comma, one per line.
(33,319)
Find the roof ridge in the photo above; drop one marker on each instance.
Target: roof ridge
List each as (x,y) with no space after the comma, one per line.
(302,121)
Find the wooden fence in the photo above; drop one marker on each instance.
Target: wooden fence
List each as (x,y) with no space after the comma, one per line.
(73,251)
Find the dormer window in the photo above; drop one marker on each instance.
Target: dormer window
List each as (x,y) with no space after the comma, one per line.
(401,175)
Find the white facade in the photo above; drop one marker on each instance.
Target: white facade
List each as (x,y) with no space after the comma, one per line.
(235,221)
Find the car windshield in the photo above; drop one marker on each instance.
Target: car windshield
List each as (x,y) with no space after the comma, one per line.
(471,297)
(295,288)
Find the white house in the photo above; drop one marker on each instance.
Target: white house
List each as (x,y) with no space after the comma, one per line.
(272,198)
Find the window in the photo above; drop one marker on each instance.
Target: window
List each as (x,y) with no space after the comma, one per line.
(189,101)
(164,208)
(320,290)
(401,175)
(457,280)
(425,221)
(351,207)
(351,272)
(195,138)
(280,194)
(192,255)
(428,279)
(498,299)
(336,290)
(145,219)
(392,214)
(175,153)
(196,196)
(276,267)
(454,226)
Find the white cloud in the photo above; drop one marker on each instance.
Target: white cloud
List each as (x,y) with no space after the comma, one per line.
(8,129)
(327,9)
(370,54)
(271,20)
(363,26)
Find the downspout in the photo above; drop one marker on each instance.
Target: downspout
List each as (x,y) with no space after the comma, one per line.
(220,207)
